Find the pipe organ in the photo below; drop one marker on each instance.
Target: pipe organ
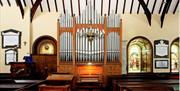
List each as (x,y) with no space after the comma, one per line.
(89,38)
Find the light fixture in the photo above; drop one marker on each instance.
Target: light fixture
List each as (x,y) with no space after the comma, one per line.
(89,63)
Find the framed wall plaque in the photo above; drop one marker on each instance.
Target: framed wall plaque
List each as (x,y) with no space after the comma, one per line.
(11,39)
(161,64)
(11,55)
(161,49)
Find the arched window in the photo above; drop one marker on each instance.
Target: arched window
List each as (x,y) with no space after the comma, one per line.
(139,55)
(175,55)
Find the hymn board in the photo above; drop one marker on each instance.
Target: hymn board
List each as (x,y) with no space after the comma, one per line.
(90,39)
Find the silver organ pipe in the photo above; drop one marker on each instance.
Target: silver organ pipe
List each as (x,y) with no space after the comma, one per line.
(76,43)
(113,20)
(86,49)
(113,47)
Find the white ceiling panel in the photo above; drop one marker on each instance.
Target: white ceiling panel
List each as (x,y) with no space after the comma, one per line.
(44,5)
(128,6)
(82,5)
(60,6)
(150,5)
(135,6)
(105,6)
(67,6)
(172,6)
(158,4)
(5,3)
(98,6)
(75,7)
(113,6)
(52,5)
(13,2)
(120,6)
(28,3)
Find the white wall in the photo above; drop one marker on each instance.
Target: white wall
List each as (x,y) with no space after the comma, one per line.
(11,18)
(46,24)
(137,25)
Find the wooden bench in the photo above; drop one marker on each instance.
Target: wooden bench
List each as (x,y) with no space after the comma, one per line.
(44,87)
(146,85)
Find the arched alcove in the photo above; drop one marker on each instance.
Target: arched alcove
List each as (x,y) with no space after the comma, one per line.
(45,45)
(139,55)
(44,55)
(175,56)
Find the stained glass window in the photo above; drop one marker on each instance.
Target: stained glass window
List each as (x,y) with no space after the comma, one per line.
(175,56)
(139,55)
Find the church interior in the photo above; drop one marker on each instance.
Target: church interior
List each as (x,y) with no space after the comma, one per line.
(89,45)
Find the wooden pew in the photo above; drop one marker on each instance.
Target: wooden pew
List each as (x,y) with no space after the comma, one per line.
(146,85)
(45,87)
(58,82)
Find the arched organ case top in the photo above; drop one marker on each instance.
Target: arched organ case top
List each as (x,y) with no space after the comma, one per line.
(89,37)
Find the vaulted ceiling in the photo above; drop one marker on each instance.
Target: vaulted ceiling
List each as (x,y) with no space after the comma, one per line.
(75,7)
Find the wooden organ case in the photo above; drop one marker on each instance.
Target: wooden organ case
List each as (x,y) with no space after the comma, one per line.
(89,44)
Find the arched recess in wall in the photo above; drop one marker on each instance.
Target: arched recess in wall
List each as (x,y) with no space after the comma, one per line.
(175,56)
(139,55)
(45,45)
(44,55)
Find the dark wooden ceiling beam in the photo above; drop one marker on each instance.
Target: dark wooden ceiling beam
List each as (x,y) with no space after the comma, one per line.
(18,2)
(174,11)
(168,7)
(1,3)
(124,6)
(32,3)
(167,4)
(131,6)
(9,3)
(72,13)
(116,6)
(154,6)
(34,8)
(161,6)
(24,2)
(109,7)
(101,7)
(41,7)
(79,7)
(138,8)
(47,1)
(55,2)
(146,10)
(86,2)
(94,5)
(147,3)
(64,7)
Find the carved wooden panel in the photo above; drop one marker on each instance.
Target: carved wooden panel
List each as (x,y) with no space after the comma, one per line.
(45,62)
(90,70)
(65,68)
(54,88)
(113,69)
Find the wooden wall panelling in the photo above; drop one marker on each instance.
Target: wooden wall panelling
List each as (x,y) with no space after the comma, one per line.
(45,64)
(65,68)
